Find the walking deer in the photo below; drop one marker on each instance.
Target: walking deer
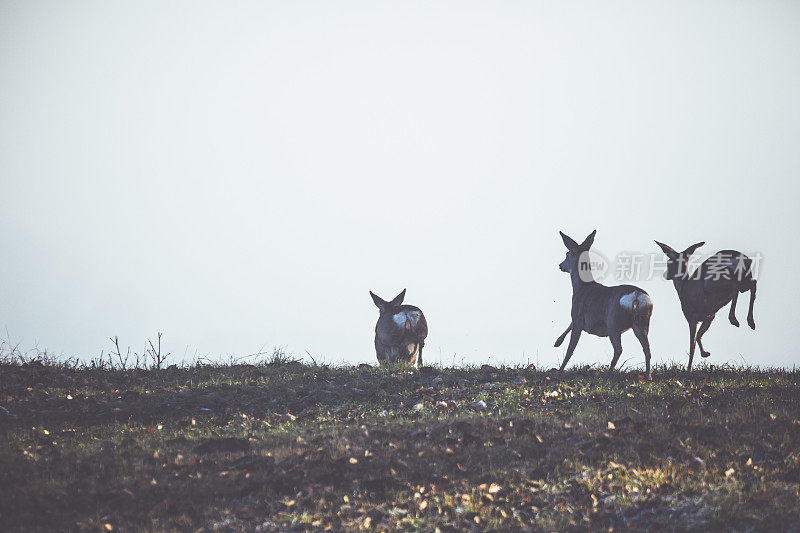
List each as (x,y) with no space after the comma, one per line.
(709,288)
(400,332)
(601,310)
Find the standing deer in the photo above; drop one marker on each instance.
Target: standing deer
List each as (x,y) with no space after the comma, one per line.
(600,310)
(717,281)
(400,332)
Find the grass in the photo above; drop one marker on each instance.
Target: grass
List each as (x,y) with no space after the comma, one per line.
(288,446)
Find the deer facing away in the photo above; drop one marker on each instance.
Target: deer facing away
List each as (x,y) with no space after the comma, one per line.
(709,288)
(400,331)
(601,310)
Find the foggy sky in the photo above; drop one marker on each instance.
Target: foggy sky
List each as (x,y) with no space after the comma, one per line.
(239,175)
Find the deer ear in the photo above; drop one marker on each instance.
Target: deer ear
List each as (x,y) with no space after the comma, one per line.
(690,250)
(588,241)
(398,299)
(568,242)
(667,250)
(380,302)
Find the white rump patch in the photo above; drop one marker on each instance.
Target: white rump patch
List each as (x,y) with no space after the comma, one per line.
(627,300)
(643,300)
(406,316)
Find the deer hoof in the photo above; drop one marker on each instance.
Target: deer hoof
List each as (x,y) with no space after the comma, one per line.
(751,323)
(705,354)
(558,342)
(734,321)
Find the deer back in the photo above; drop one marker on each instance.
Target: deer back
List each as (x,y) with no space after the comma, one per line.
(712,285)
(602,310)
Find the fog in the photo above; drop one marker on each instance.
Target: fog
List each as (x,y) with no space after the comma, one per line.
(239,175)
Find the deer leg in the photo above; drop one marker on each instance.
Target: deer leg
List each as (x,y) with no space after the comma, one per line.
(641,334)
(419,353)
(573,341)
(750,321)
(732,313)
(703,328)
(563,335)
(692,331)
(380,353)
(616,343)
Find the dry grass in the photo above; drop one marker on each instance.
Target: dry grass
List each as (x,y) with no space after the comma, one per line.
(283,445)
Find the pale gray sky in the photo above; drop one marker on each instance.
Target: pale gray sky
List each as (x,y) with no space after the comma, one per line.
(240,174)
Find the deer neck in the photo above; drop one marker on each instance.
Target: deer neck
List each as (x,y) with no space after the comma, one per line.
(680,283)
(579,283)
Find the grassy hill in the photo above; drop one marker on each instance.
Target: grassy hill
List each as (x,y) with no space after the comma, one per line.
(283,445)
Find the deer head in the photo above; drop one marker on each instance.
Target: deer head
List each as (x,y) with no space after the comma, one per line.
(678,262)
(577,260)
(388,307)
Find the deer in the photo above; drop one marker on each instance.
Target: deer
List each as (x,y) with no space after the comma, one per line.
(400,331)
(601,310)
(709,288)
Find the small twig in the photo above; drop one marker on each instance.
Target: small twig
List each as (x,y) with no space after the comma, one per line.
(155,353)
(123,362)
